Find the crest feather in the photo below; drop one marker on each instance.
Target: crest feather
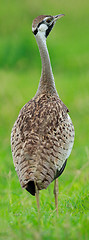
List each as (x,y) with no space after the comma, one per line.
(39,19)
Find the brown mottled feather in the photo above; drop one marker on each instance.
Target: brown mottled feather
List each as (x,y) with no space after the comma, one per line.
(41,139)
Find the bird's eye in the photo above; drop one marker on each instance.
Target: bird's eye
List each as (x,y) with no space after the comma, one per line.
(48,20)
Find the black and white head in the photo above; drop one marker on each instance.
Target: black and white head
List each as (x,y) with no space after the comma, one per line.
(42,25)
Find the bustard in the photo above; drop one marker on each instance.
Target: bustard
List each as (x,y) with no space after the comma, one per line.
(43,134)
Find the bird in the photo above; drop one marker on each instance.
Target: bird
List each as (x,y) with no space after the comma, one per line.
(43,134)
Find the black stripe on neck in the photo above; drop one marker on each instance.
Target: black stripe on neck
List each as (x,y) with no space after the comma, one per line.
(36,31)
(40,24)
(49,30)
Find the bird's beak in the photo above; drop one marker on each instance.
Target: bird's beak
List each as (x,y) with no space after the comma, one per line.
(57,17)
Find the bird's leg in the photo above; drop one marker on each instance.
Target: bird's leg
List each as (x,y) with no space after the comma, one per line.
(37,197)
(56,194)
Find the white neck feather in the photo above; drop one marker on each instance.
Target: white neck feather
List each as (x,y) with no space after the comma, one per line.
(47,83)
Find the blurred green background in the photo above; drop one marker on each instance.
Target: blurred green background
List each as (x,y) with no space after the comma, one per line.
(20,70)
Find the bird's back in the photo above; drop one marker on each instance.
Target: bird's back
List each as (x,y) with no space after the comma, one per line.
(41,140)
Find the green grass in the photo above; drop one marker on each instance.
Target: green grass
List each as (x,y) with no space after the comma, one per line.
(20,69)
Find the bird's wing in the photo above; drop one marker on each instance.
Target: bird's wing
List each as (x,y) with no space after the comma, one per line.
(42,139)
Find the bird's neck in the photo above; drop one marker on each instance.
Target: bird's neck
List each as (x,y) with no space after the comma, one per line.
(47,84)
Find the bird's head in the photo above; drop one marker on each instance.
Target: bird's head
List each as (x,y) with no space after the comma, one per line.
(42,25)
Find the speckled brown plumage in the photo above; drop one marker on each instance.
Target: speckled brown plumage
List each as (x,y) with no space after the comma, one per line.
(41,140)
(43,134)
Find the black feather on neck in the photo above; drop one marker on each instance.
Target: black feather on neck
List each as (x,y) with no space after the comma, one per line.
(49,29)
